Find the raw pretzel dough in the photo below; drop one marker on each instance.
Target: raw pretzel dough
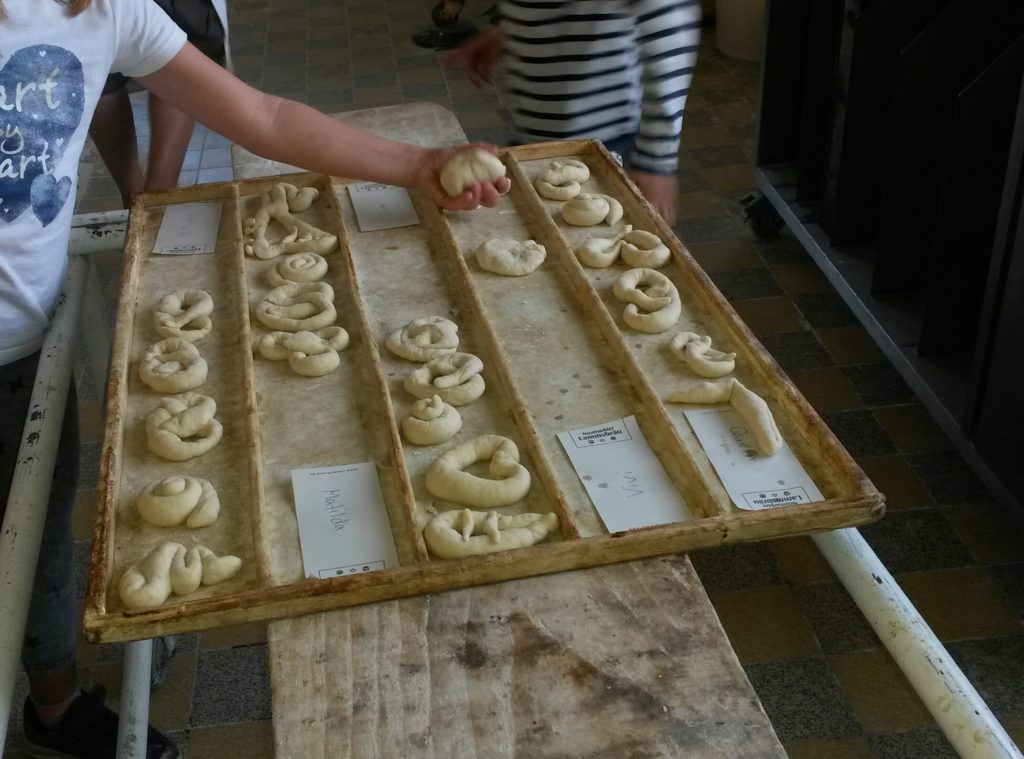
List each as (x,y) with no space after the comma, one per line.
(588,209)
(179,500)
(455,377)
(697,353)
(468,166)
(298,306)
(298,267)
(653,292)
(183,427)
(461,533)
(279,203)
(748,404)
(562,180)
(445,478)
(171,568)
(311,354)
(644,250)
(424,339)
(510,258)
(184,314)
(173,365)
(602,252)
(431,421)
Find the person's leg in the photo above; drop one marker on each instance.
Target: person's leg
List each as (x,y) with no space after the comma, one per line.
(113,132)
(170,132)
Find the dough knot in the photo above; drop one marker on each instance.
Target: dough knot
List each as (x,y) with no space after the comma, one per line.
(184,314)
(652,300)
(279,204)
(424,339)
(464,532)
(311,354)
(297,307)
(173,365)
(171,568)
(454,377)
(183,426)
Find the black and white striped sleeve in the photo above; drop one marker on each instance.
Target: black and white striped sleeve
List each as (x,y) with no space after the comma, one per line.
(668,34)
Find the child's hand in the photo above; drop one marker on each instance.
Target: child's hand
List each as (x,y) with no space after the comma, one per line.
(426,179)
(660,191)
(478,56)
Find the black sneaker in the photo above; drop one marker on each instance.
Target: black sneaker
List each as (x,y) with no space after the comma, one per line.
(88,731)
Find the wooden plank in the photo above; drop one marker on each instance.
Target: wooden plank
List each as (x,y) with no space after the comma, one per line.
(618,661)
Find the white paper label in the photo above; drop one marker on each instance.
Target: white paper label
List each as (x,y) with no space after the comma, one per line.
(382,206)
(188,229)
(343,523)
(754,481)
(623,477)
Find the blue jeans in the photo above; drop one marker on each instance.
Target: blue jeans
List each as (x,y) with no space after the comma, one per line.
(49,644)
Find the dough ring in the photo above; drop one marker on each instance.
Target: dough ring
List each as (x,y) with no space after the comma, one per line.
(183,427)
(171,568)
(588,209)
(311,354)
(562,180)
(424,339)
(601,252)
(748,404)
(644,250)
(279,203)
(652,292)
(454,377)
(173,365)
(446,480)
(179,500)
(297,307)
(431,421)
(697,353)
(468,166)
(184,314)
(510,258)
(298,267)
(461,533)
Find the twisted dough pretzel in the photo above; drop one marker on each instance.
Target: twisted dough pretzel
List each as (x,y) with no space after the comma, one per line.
(279,202)
(562,180)
(588,209)
(431,421)
(183,427)
(179,500)
(173,365)
(510,258)
(602,252)
(184,314)
(651,291)
(298,267)
(645,250)
(424,339)
(454,377)
(298,306)
(461,533)
(170,567)
(748,404)
(445,478)
(311,354)
(697,353)
(468,166)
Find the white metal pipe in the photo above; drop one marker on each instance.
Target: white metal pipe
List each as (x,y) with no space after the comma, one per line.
(133,724)
(22,532)
(957,707)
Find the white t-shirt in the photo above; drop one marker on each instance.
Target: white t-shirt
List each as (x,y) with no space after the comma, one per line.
(52,70)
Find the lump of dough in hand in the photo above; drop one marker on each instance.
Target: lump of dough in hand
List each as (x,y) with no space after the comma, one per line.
(468,166)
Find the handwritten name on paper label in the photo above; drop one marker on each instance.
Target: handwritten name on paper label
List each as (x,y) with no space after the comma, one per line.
(382,206)
(188,229)
(753,480)
(343,523)
(622,476)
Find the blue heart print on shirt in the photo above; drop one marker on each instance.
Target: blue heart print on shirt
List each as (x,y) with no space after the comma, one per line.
(41,101)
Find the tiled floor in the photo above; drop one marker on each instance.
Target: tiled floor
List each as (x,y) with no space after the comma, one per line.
(829,687)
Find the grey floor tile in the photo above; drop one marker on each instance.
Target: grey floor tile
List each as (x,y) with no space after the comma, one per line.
(878,384)
(717,155)
(83,549)
(232,685)
(191,161)
(947,477)
(860,433)
(914,540)
(797,350)
(89,464)
(929,743)
(215,175)
(743,284)
(737,567)
(1009,579)
(825,310)
(711,228)
(837,622)
(802,700)
(996,668)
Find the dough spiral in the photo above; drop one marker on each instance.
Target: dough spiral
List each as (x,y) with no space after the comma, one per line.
(446,479)
(279,204)
(431,421)
(588,209)
(298,267)
(179,500)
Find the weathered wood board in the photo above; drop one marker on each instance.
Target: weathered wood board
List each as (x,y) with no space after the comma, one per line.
(557,356)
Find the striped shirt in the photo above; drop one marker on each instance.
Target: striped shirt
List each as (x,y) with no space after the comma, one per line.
(602,69)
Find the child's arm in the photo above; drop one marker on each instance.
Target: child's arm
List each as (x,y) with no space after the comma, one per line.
(290,132)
